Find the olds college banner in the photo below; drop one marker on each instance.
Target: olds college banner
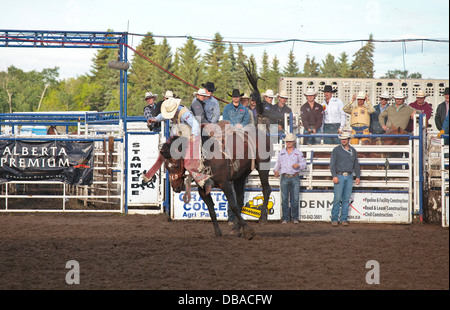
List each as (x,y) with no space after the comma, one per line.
(66,161)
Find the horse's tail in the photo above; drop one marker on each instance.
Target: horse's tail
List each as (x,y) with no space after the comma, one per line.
(252,76)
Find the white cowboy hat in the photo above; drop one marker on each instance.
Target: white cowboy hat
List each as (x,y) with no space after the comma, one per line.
(310,92)
(399,95)
(361,95)
(202,92)
(283,94)
(168,94)
(269,93)
(169,107)
(421,94)
(385,95)
(245,96)
(150,95)
(290,137)
(345,134)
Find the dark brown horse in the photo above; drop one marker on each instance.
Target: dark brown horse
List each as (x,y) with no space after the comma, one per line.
(231,155)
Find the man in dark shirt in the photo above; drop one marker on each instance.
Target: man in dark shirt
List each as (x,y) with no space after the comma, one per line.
(343,162)
(277,111)
(152,110)
(312,117)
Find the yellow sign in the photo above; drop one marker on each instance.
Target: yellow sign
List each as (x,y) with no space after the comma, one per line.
(252,207)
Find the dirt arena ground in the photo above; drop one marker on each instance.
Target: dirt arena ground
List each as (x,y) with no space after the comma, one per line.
(117,251)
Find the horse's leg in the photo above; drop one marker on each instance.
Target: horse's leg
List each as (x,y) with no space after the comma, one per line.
(212,212)
(228,190)
(264,178)
(239,189)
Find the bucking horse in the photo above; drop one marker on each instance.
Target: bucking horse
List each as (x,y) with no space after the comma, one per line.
(229,166)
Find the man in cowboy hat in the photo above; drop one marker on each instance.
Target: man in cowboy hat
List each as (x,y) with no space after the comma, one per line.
(397,115)
(343,162)
(212,107)
(245,100)
(360,116)
(442,110)
(312,117)
(289,164)
(421,105)
(151,110)
(375,126)
(235,112)
(334,116)
(267,102)
(186,125)
(198,106)
(277,111)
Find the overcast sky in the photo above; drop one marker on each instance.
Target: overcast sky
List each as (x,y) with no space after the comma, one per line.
(239,21)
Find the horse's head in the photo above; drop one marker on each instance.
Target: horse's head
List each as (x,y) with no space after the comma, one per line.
(172,151)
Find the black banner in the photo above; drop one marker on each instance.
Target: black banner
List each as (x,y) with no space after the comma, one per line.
(71,162)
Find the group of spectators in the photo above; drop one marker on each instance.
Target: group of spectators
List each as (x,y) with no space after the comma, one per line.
(327,117)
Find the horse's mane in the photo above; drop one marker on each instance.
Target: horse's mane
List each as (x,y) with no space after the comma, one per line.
(166,147)
(252,76)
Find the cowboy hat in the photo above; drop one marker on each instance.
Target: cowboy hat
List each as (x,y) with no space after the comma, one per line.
(361,95)
(329,88)
(290,137)
(421,94)
(169,107)
(245,96)
(150,95)
(209,86)
(310,92)
(283,94)
(385,95)
(168,94)
(269,93)
(346,133)
(202,92)
(399,95)
(446,91)
(236,93)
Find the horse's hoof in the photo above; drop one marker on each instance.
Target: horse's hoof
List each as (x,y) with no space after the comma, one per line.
(218,233)
(249,233)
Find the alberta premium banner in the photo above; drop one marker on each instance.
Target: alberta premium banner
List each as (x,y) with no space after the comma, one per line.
(71,162)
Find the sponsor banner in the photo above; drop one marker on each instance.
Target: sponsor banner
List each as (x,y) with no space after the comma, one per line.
(70,162)
(143,152)
(364,207)
(198,210)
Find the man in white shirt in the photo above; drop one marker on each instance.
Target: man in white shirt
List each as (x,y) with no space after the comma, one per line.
(334,116)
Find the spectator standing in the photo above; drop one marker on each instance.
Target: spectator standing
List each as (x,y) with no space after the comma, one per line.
(397,115)
(375,126)
(151,110)
(212,107)
(421,105)
(442,110)
(235,112)
(343,162)
(289,164)
(277,111)
(312,117)
(334,115)
(360,116)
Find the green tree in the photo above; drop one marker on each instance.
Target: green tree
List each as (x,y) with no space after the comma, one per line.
(311,67)
(291,69)
(240,79)
(274,73)
(344,70)
(401,74)
(265,71)
(213,63)
(329,68)
(363,64)
(190,68)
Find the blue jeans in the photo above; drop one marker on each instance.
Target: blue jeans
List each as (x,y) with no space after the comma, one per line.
(307,140)
(290,191)
(341,202)
(331,128)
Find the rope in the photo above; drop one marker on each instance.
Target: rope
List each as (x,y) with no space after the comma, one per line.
(115,43)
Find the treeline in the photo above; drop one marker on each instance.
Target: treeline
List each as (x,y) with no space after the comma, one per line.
(99,90)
